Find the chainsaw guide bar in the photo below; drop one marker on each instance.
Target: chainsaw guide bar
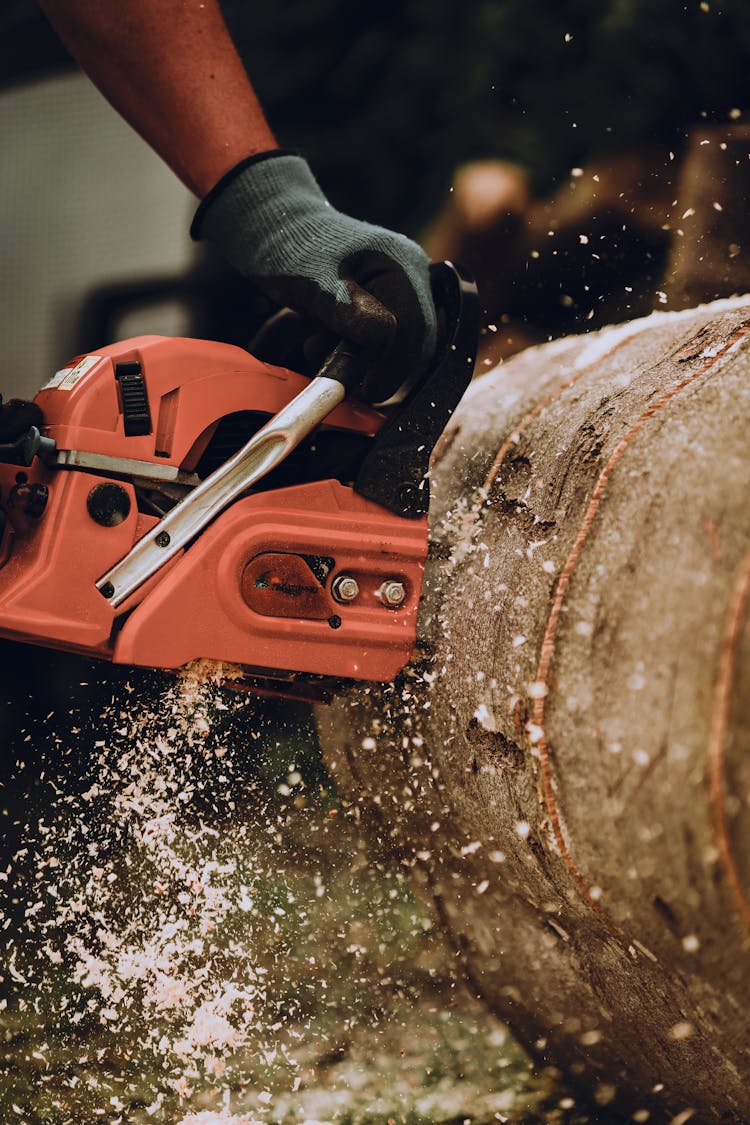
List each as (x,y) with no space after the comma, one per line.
(185,500)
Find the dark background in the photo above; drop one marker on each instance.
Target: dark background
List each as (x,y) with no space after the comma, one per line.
(387,99)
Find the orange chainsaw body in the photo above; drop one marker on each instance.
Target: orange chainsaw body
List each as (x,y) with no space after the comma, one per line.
(184,500)
(256,587)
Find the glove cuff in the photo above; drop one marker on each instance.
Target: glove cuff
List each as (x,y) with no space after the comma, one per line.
(247,185)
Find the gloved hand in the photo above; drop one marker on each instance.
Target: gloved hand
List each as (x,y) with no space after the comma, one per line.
(271,221)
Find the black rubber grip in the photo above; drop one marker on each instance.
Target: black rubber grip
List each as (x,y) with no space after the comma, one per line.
(345,364)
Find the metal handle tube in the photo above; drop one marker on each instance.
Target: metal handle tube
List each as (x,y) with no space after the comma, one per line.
(265,450)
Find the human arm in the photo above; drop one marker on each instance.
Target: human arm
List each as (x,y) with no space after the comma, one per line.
(170,68)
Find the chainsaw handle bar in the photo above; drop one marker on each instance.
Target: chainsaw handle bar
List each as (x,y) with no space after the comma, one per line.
(264,451)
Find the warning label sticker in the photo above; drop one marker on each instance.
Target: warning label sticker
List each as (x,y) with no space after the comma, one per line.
(67,377)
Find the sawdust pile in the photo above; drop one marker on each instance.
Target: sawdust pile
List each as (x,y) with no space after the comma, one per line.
(151,911)
(197,934)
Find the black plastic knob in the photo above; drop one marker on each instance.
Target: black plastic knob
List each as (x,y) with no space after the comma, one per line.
(108,504)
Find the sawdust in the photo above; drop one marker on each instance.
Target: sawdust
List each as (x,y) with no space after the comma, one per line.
(208,1118)
(200,947)
(146,906)
(194,677)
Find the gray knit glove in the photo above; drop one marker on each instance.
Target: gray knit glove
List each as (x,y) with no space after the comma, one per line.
(271,221)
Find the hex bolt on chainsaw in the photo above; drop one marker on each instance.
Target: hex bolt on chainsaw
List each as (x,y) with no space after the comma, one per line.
(186,500)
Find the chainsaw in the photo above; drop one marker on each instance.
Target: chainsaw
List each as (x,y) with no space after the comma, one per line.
(188,500)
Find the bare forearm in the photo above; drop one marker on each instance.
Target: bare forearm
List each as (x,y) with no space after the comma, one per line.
(170,68)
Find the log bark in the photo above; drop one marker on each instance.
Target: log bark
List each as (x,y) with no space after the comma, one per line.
(566,765)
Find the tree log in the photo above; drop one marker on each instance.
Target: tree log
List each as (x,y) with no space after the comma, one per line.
(566,766)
